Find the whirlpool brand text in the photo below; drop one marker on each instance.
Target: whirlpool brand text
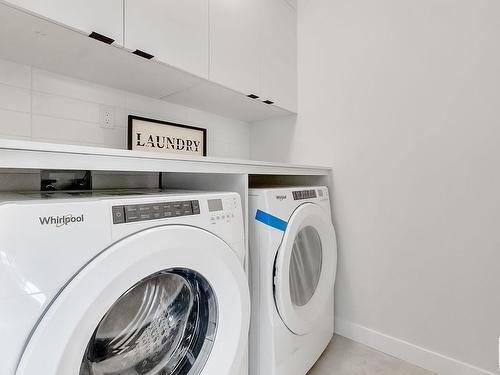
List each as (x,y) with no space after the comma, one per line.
(60,221)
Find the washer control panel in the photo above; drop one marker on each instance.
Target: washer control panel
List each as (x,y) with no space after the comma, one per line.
(222,210)
(153,211)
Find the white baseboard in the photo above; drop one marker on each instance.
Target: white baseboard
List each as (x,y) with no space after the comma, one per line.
(438,363)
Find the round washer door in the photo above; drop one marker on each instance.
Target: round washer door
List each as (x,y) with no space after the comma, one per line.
(305,268)
(170,300)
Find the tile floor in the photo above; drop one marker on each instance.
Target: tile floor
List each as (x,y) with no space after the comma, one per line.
(346,357)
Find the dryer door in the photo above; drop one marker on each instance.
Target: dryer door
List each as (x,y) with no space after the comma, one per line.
(167,300)
(305,268)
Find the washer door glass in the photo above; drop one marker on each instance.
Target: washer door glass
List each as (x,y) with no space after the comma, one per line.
(305,265)
(165,324)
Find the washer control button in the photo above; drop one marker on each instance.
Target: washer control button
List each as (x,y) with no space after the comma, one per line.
(146,215)
(196,207)
(187,208)
(132,213)
(144,209)
(177,208)
(118,214)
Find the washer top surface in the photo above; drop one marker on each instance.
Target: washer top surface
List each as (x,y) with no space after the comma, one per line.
(95,194)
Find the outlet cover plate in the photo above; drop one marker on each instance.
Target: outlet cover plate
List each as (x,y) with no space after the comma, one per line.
(107,117)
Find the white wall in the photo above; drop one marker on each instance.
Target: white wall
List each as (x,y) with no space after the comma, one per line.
(42,106)
(402,98)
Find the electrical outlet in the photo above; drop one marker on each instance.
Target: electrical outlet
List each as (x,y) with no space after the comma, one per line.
(107,117)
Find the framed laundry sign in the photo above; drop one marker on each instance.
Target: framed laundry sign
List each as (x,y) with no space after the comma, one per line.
(146,134)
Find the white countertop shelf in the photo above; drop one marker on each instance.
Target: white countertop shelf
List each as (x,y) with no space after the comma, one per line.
(18,154)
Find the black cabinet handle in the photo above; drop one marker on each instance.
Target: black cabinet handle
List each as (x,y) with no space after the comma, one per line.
(253,96)
(101,38)
(268,101)
(146,55)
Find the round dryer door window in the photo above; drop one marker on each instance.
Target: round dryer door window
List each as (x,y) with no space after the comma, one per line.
(165,324)
(305,265)
(305,268)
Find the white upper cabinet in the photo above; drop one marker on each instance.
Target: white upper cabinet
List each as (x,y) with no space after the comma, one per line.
(235,44)
(279,56)
(102,17)
(253,49)
(245,46)
(174,32)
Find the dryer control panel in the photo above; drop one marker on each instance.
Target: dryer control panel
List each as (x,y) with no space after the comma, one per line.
(304,194)
(152,211)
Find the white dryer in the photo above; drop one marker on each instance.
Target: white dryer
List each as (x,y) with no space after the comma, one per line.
(293,258)
(123,283)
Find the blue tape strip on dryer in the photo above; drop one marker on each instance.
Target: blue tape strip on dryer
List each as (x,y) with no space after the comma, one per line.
(271,220)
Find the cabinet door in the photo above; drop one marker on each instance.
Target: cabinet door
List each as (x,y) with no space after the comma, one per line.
(103,17)
(235,48)
(174,32)
(279,60)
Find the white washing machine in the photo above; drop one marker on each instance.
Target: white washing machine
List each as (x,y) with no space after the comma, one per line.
(293,258)
(112,283)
